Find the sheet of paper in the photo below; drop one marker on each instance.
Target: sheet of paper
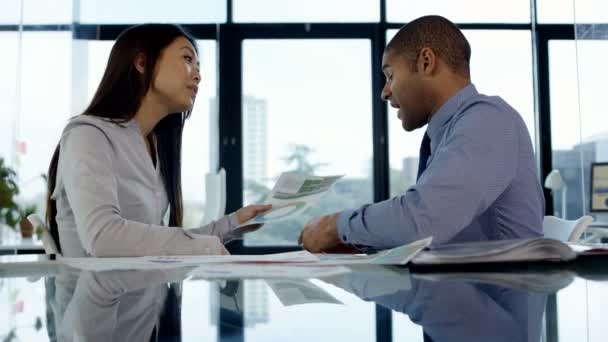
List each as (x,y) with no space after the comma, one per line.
(161,262)
(395,256)
(292,194)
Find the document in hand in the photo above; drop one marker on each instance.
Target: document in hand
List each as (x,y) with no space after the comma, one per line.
(293,194)
(521,250)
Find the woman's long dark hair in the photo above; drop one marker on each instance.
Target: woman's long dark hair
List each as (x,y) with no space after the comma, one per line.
(118,98)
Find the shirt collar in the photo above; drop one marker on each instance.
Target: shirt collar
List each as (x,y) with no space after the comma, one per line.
(448,109)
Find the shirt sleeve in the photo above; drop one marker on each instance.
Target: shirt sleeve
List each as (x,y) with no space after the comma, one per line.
(220,228)
(475,164)
(89,179)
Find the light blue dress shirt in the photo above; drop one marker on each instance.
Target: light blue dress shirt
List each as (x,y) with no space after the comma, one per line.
(481,182)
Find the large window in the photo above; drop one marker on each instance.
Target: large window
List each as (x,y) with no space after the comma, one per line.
(571,11)
(306,108)
(42,105)
(199,141)
(579,135)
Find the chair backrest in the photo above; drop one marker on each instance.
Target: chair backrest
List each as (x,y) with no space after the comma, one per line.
(215,196)
(565,230)
(50,247)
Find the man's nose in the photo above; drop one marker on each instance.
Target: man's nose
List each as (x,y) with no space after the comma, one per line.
(386,93)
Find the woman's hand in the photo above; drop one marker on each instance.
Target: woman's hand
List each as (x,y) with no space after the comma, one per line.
(247,213)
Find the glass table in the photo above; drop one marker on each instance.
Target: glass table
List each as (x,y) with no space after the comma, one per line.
(44,300)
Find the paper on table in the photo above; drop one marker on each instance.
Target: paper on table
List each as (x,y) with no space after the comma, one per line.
(395,256)
(292,194)
(160,262)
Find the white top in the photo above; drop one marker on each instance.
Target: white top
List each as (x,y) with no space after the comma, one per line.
(111,200)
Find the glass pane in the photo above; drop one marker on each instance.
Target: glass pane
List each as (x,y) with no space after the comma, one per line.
(8,92)
(511,50)
(462,11)
(307,11)
(578,129)
(36,12)
(200,138)
(555,11)
(570,11)
(141,11)
(302,103)
(44,105)
(566,128)
(266,318)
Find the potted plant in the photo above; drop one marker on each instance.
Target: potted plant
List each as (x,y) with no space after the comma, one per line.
(9,210)
(12,214)
(27,229)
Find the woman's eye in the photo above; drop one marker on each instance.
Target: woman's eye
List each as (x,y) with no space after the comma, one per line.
(188,58)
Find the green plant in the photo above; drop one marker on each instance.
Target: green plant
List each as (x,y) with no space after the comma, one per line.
(10,213)
(27,211)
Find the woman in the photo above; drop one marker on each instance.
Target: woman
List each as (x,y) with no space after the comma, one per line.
(115,175)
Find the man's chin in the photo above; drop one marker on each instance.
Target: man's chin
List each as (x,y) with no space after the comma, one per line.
(407,127)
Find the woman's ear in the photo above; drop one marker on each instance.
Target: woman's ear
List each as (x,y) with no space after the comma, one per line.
(140,62)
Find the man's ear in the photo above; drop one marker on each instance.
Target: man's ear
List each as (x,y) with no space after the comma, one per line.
(427,61)
(140,62)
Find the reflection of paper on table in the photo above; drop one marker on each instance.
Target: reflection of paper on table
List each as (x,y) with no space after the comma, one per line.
(546,281)
(370,281)
(292,194)
(292,292)
(255,271)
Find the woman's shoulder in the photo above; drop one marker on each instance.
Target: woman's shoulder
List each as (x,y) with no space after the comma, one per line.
(95,125)
(96,121)
(89,130)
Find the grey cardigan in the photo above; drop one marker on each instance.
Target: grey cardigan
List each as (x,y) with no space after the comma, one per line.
(111,200)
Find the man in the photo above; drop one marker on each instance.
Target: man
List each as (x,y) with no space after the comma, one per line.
(477,175)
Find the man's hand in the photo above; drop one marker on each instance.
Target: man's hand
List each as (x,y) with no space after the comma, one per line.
(321,235)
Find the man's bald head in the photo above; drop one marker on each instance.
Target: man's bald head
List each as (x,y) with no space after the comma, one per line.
(440,35)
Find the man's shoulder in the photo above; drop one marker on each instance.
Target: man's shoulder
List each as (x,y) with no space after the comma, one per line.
(489,109)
